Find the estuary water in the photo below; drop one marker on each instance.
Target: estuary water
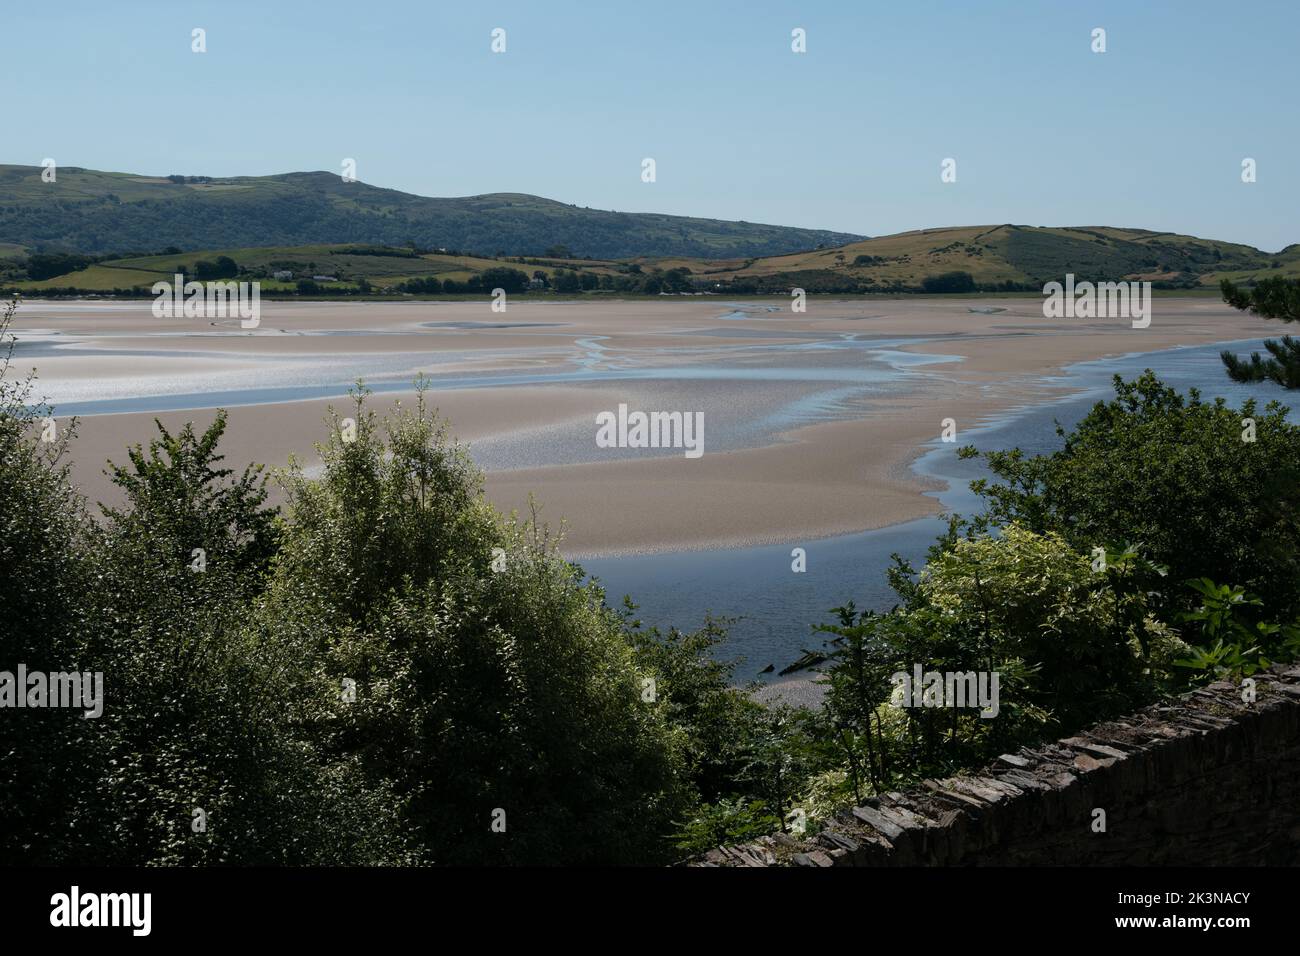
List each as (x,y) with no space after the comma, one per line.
(774,608)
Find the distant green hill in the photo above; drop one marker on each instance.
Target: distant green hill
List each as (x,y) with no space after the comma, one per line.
(96,212)
(990,258)
(1012,255)
(102,232)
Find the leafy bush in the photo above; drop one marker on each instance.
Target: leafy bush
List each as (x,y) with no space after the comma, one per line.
(48,755)
(208,765)
(1070,645)
(1176,474)
(479,691)
(726,822)
(1232,642)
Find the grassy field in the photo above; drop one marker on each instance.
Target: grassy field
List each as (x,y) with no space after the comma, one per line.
(383,272)
(97,278)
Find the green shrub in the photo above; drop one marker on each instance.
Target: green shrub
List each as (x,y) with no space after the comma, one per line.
(478,691)
(48,756)
(1173,473)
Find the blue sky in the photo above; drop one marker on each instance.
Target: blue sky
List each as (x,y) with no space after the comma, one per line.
(849,135)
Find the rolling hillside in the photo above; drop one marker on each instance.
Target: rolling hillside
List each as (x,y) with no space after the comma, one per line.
(1020,255)
(95,212)
(996,258)
(308,224)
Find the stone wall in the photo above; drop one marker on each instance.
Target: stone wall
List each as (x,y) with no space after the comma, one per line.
(1206,779)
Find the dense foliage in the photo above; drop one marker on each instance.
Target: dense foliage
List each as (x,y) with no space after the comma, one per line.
(388,672)
(1205,489)
(44,567)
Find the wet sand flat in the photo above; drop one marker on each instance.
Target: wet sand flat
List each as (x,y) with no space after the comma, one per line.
(812,418)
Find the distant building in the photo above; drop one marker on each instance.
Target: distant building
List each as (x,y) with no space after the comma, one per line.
(325,278)
(537,283)
(284,275)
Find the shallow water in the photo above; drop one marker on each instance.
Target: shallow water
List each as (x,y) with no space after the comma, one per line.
(776,607)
